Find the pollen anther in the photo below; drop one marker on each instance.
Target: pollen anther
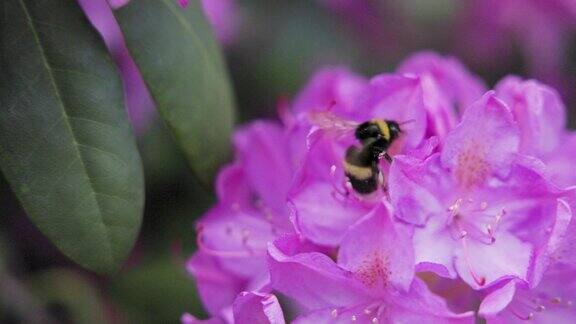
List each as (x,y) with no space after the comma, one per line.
(483,205)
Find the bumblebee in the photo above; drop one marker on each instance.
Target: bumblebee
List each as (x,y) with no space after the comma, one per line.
(361,162)
(361,169)
(377,135)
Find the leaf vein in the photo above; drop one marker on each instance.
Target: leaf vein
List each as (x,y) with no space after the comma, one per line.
(66,118)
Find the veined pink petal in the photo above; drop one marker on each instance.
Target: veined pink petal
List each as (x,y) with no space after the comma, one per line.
(323,218)
(507,257)
(456,84)
(313,279)
(499,299)
(330,86)
(485,142)
(378,252)
(539,112)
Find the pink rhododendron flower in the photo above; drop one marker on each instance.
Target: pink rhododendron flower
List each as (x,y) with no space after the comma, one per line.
(249,307)
(475,207)
(319,197)
(541,117)
(451,88)
(323,210)
(251,212)
(550,301)
(223,16)
(479,204)
(138,101)
(372,281)
(454,81)
(541,29)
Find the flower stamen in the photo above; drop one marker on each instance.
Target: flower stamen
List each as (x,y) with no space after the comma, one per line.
(334,313)
(463,239)
(528,317)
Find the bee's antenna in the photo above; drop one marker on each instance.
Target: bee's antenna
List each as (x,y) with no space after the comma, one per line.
(407,122)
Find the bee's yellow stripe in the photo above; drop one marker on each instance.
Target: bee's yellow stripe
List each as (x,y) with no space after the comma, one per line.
(358,172)
(384,129)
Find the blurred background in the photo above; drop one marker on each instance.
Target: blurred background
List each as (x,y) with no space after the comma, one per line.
(271,47)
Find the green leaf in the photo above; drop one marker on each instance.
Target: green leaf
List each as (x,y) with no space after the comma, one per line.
(66,147)
(184,70)
(169,291)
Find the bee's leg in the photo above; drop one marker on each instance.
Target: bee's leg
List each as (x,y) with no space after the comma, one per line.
(386,192)
(339,192)
(384,186)
(387,157)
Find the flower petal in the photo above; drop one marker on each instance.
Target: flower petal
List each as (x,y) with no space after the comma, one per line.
(484,143)
(312,279)
(224,17)
(267,165)
(254,307)
(414,186)
(498,299)
(508,257)
(557,247)
(550,302)
(231,186)
(217,288)
(560,163)
(434,248)
(456,83)
(565,247)
(398,98)
(329,86)
(322,218)
(237,238)
(378,252)
(539,112)
(354,314)
(420,305)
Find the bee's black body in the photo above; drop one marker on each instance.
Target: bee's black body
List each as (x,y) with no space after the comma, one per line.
(361,163)
(361,169)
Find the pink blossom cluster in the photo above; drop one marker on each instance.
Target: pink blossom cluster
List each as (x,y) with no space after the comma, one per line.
(491,33)
(541,30)
(472,220)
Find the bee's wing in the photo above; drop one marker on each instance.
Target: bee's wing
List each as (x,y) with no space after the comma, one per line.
(329,122)
(326,122)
